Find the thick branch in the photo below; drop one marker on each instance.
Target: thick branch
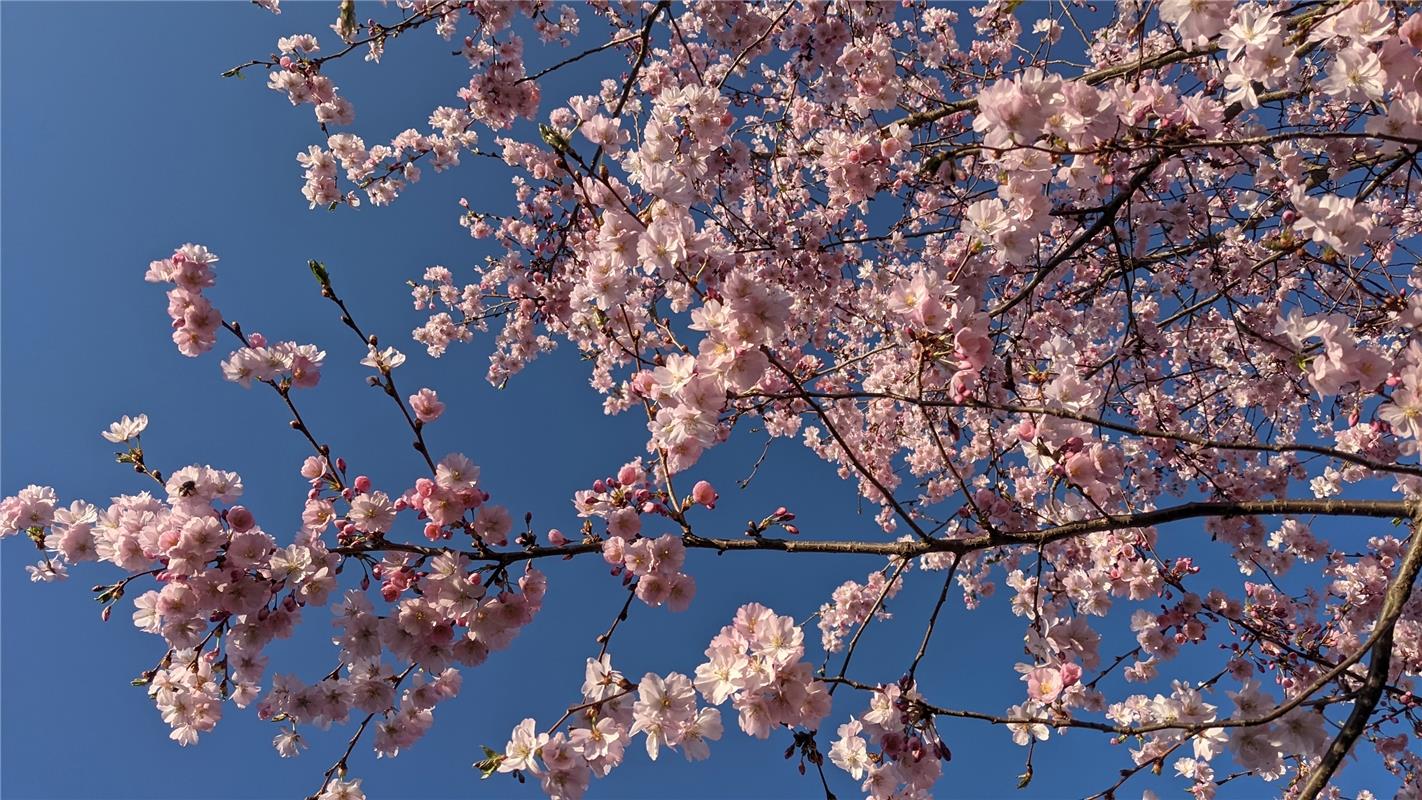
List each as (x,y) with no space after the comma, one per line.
(911,549)
(1393,603)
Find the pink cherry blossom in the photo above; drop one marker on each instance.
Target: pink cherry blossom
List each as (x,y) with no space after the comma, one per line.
(1041,289)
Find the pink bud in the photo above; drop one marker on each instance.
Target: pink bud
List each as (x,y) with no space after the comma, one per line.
(240,519)
(341,464)
(432,532)
(556,538)
(424,487)
(362,483)
(106,613)
(599,487)
(792,530)
(703,494)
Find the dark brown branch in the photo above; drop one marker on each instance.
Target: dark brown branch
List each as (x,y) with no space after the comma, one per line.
(869,617)
(1396,509)
(1063,413)
(1368,697)
(933,618)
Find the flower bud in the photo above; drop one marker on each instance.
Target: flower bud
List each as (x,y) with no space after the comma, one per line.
(703,494)
(240,519)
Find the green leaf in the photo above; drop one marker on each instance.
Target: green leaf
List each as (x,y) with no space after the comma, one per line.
(319,270)
(490,764)
(1025,778)
(346,24)
(554,139)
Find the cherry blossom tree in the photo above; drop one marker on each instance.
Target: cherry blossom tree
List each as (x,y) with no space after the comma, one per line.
(1040,282)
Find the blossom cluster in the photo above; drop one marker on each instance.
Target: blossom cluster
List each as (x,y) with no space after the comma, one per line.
(653,563)
(601,727)
(757,663)
(195,321)
(1032,297)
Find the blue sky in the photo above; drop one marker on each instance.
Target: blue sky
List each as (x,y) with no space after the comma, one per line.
(120,141)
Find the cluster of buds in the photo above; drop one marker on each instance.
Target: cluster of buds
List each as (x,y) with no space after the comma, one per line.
(781,516)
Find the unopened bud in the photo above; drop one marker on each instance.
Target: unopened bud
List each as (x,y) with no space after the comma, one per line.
(704,494)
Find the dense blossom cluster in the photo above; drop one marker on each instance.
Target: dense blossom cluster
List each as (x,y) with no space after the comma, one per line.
(612,712)
(195,321)
(757,663)
(1037,281)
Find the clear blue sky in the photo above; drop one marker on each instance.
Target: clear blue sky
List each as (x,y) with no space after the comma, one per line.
(120,141)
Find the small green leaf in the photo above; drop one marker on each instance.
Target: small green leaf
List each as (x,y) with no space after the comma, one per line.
(319,270)
(1025,778)
(346,24)
(554,139)
(490,764)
